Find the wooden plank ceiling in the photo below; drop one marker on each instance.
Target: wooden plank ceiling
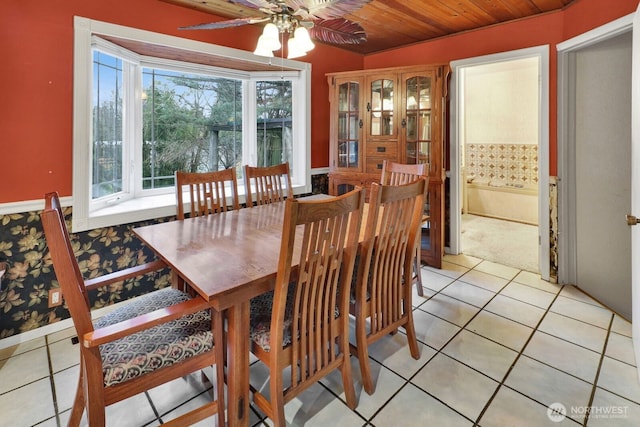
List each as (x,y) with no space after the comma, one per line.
(393,23)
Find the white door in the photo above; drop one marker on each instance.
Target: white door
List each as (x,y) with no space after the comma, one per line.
(635,182)
(603,170)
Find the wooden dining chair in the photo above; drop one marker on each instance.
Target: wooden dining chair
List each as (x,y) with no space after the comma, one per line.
(381,296)
(397,174)
(303,324)
(270,183)
(149,341)
(209,192)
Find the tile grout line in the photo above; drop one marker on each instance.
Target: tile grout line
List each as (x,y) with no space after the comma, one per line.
(595,380)
(438,351)
(506,375)
(52,382)
(153,408)
(548,309)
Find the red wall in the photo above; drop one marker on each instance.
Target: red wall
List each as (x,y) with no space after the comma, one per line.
(36,71)
(36,47)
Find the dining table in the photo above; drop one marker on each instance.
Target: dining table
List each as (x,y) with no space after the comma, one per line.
(227,258)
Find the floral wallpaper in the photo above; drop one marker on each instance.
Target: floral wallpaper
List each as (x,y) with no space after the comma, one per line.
(29,276)
(24,289)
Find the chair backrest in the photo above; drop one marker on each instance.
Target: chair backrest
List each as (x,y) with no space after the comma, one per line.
(65,264)
(387,251)
(399,173)
(270,183)
(324,249)
(208,192)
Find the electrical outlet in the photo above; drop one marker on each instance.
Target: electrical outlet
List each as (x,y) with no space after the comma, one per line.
(55,297)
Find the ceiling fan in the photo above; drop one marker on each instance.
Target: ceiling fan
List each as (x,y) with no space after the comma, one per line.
(301,20)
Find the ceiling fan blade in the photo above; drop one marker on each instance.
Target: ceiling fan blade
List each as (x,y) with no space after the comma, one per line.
(324,9)
(267,6)
(225,24)
(338,31)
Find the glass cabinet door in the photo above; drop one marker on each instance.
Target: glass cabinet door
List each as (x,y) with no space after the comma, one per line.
(417,116)
(420,142)
(381,106)
(349,124)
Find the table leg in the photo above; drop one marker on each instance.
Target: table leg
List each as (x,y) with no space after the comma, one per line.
(238,364)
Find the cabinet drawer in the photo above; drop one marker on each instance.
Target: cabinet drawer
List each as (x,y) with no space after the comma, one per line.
(374,164)
(382,150)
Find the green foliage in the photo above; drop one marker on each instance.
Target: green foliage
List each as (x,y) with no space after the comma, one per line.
(191,123)
(181,116)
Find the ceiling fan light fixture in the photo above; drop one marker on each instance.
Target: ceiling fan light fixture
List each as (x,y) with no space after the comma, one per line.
(269,40)
(301,35)
(262,51)
(294,49)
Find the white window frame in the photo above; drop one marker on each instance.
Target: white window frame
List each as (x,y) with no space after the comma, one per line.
(134,205)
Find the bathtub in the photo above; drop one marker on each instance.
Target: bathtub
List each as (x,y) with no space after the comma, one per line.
(503,201)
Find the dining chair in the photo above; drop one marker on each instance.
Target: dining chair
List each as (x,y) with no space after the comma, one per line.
(302,326)
(270,183)
(381,295)
(149,341)
(209,192)
(397,174)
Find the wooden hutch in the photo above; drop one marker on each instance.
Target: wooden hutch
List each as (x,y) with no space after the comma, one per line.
(398,114)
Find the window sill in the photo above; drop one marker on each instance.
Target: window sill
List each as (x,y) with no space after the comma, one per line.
(134,210)
(142,209)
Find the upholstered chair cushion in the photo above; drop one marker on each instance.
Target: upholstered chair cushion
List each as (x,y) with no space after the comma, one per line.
(354,281)
(157,347)
(260,328)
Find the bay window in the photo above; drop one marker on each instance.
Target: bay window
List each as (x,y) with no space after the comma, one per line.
(138,118)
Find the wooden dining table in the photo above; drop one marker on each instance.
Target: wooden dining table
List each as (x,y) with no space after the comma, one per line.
(227,258)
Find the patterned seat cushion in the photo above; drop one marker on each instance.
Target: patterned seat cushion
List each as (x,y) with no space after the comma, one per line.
(157,347)
(260,327)
(354,281)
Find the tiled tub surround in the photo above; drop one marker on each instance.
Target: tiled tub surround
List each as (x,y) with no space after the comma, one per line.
(501,181)
(514,165)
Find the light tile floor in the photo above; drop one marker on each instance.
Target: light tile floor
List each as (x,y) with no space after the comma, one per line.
(499,347)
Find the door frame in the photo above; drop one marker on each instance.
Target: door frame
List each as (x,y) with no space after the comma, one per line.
(457,103)
(567,212)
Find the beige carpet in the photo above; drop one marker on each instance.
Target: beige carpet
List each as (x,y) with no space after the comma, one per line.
(503,242)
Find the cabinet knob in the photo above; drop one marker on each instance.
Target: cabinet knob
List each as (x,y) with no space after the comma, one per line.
(360,123)
(368,106)
(404,123)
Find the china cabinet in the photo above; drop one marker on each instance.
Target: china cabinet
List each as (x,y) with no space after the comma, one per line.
(397,114)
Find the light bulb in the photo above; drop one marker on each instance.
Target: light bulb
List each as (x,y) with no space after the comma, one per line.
(303,39)
(294,49)
(271,36)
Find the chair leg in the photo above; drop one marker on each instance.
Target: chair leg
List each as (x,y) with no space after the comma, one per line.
(78,402)
(363,355)
(417,271)
(95,407)
(411,337)
(218,341)
(347,376)
(277,397)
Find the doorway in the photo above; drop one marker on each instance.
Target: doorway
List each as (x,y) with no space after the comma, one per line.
(499,159)
(595,134)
